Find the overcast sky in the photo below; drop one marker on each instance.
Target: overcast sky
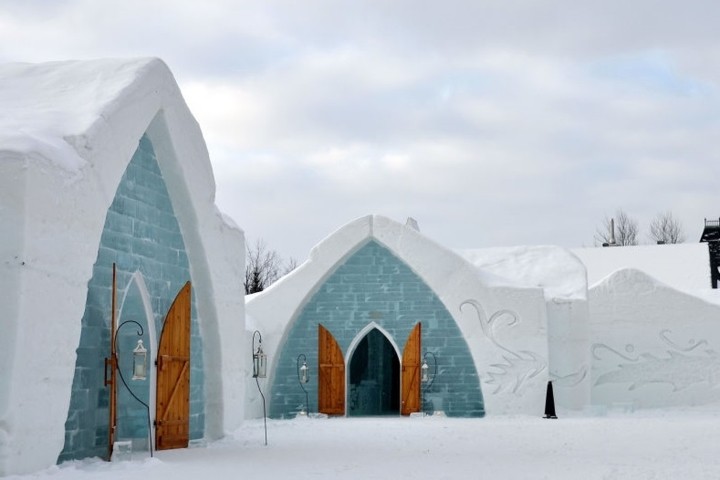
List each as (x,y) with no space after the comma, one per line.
(493,123)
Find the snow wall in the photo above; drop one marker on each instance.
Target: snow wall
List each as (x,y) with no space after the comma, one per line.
(68,132)
(653,346)
(504,326)
(562,276)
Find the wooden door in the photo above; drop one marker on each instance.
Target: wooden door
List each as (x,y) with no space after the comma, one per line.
(331,374)
(172,414)
(410,381)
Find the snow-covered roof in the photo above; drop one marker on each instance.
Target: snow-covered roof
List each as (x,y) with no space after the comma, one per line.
(50,109)
(560,273)
(567,273)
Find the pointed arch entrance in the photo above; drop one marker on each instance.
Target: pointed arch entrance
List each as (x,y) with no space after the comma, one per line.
(374,376)
(379,381)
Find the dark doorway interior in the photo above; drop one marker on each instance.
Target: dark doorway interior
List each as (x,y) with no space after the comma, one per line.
(374,377)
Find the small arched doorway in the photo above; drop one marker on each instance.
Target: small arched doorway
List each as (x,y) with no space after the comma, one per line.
(132,422)
(374,377)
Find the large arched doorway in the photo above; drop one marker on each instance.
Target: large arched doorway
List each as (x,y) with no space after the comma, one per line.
(374,377)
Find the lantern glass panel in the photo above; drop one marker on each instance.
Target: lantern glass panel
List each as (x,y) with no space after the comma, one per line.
(260,364)
(139,362)
(304,373)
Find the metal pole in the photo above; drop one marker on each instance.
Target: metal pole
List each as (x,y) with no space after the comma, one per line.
(297,366)
(256,374)
(112,362)
(122,378)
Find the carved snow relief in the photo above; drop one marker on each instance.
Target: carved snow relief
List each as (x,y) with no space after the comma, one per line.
(571,380)
(681,367)
(518,367)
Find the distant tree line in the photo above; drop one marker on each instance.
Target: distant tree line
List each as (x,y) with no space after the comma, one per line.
(664,228)
(264,266)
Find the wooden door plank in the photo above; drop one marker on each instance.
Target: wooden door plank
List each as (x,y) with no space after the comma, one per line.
(175,389)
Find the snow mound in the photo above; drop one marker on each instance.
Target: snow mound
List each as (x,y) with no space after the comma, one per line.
(630,278)
(684,266)
(638,283)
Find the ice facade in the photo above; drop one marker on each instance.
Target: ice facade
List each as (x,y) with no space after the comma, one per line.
(142,237)
(373,290)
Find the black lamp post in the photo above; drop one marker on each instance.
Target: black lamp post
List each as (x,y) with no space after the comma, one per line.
(260,371)
(303,378)
(139,370)
(427,377)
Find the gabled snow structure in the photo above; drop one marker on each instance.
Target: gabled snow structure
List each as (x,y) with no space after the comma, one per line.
(101,162)
(369,285)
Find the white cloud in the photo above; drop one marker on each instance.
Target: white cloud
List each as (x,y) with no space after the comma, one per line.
(492,123)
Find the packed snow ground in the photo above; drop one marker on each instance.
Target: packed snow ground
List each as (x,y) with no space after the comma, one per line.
(655,445)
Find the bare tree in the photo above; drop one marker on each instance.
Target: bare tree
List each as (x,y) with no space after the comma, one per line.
(625,230)
(292,264)
(665,228)
(264,267)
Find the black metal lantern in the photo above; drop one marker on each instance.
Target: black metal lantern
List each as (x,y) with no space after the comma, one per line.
(303,378)
(427,377)
(304,372)
(259,358)
(139,362)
